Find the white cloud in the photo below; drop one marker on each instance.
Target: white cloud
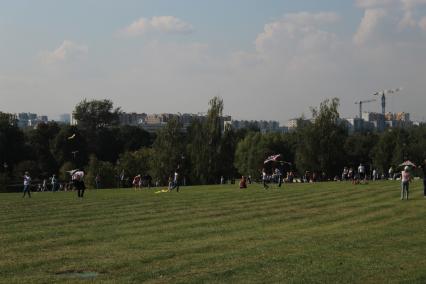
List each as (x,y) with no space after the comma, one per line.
(374,3)
(407,21)
(404,13)
(422,23)
(164,24)
(137,28)
(296,32)
(368,25)
(411,4)
(66,51)
(296,61)
(170,24)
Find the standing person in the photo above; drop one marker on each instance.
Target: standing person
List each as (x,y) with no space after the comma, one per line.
(361,172)
(280,178)
(264,179)
(77,178)
(390,172)
(137,182)
(122,178)
(345,173)
(170,183)
(243,182)
(44,186)
(405,181)
(53,182)
(27,183)
(97,181)
(222,180)
(374,174)
(176,181)
(148,180)
(350,174)
(424,178)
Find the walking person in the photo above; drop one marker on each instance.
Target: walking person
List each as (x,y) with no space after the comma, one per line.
(264,179)
(27,183)
(405,182)
(77,178)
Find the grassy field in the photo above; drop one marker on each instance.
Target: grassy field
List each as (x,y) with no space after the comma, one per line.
(302,233)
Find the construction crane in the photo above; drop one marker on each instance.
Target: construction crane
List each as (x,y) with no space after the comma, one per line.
(360,105)
(383,98)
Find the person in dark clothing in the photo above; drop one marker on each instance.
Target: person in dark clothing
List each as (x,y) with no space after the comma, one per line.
(176,181)
(424,178)
(27,182)
(77,179)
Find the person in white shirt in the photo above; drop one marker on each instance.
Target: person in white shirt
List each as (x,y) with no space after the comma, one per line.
(361,172)
(53,182)
(27,183)
(176,181)
(264,179)
(405,181)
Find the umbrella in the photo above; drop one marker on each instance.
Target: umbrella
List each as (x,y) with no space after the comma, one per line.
(408,163)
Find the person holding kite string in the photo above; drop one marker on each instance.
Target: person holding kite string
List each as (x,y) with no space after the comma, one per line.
(77,178)
(27,182)
(405,181)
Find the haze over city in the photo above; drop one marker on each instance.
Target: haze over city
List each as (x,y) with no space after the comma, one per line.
(268,60)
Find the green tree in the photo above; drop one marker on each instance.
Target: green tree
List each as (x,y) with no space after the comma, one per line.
(12,142)
(416,148)
(205,145)
(40,140)
(255,147)
(64,174)
(136,162)
(105,171)
(133,138)
(70,146)
(168,150)
(95,114)
(321,148)
(359,148)
(250,154)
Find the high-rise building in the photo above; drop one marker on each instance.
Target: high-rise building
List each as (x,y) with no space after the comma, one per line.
(65,118)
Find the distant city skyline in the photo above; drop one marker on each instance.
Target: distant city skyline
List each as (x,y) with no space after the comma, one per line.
(268,60)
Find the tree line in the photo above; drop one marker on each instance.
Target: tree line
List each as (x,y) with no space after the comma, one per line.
(203,153)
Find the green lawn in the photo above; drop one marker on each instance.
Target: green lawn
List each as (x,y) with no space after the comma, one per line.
(323,233)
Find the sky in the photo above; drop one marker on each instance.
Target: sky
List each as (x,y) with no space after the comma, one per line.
(267,59)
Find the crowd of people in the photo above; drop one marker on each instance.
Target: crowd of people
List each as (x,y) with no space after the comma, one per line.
(348,174)
(357,176)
